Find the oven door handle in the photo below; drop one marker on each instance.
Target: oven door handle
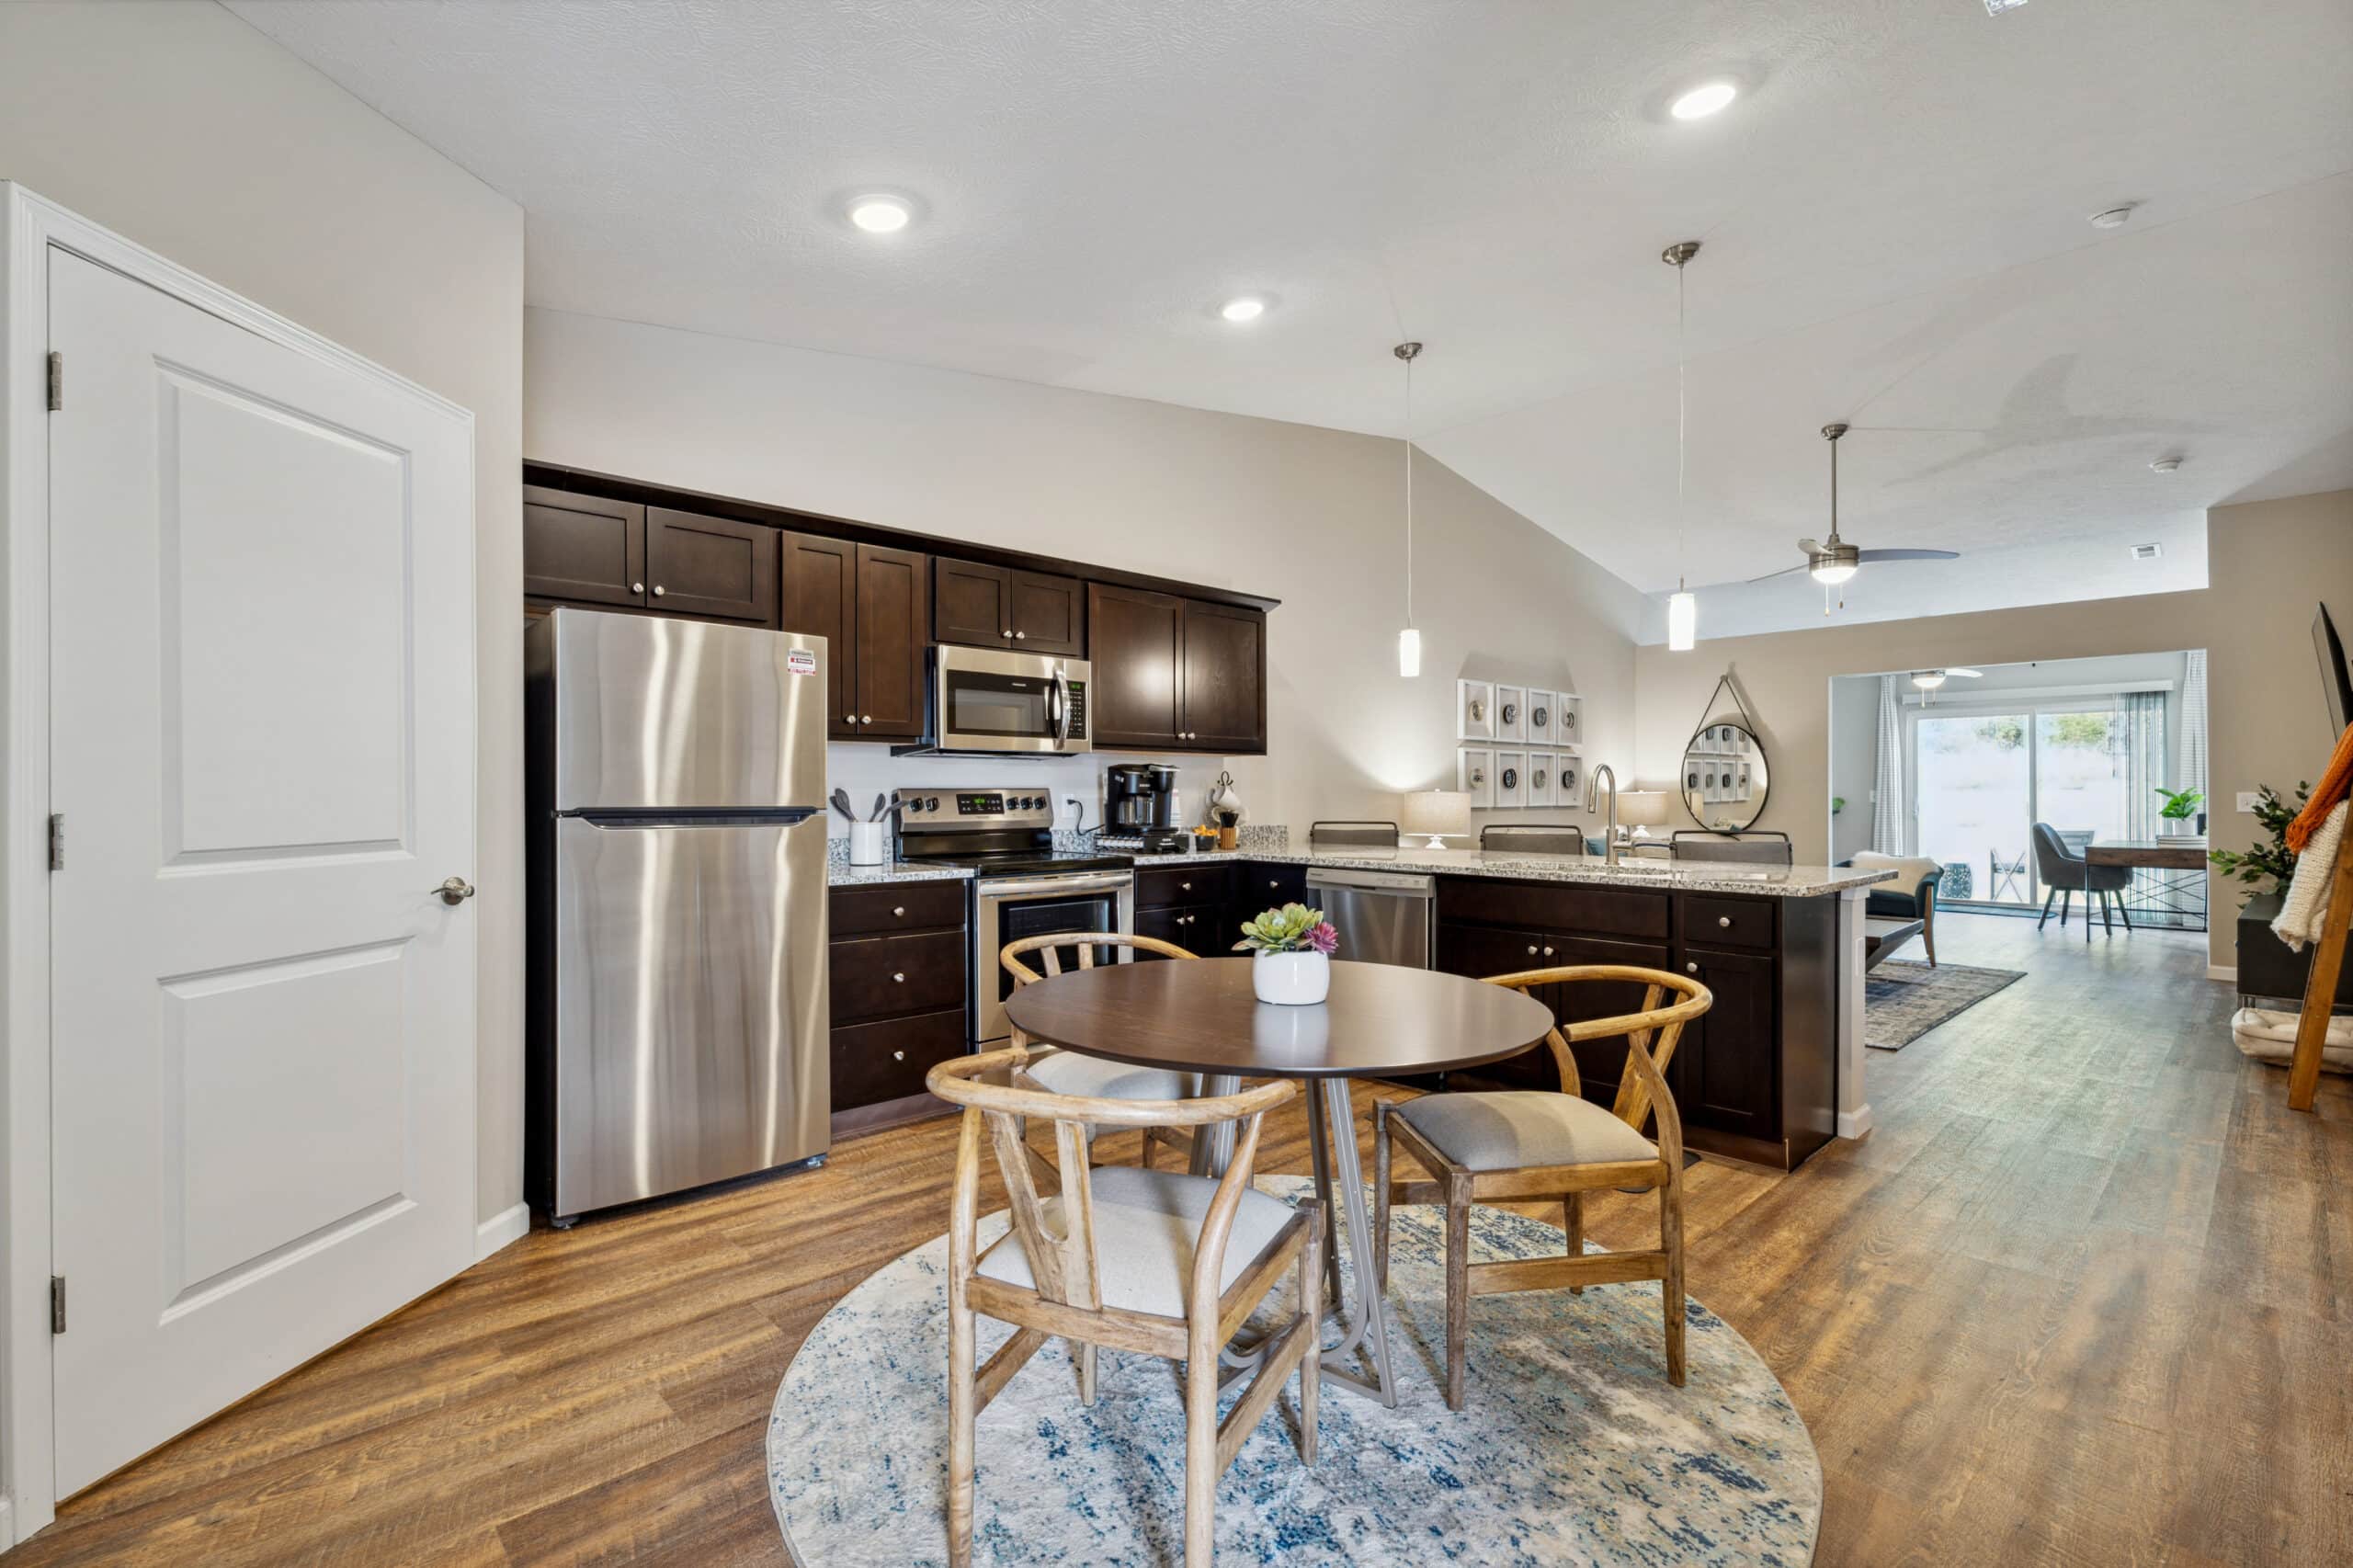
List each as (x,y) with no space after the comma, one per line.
(1076,882)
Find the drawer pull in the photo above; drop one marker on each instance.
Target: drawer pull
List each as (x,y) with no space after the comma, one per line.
(1693,968)
(1186,886)
(1725,921)
(899,911)
(898,1056)
(900,978)
(1274,883)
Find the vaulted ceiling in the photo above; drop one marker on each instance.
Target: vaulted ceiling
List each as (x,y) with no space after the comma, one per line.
(1893,218)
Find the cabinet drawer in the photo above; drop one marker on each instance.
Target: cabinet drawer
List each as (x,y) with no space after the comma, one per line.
(874,977)
(874,1063)
(1165,886)
(1728,921)
(897,906)
(1552,906)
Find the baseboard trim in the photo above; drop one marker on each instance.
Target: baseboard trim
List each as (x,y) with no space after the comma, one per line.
(2227,973)
(502,1229)
(1856,1122)
(7,1525)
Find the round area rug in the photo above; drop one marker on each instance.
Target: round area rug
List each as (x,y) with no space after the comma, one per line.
(1571,1447)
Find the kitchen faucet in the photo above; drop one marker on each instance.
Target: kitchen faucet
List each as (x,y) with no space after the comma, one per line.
(1592,799)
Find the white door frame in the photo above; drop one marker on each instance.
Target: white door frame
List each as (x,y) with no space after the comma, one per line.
(29,227)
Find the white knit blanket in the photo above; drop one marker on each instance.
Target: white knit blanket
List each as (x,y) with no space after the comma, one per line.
(2306,905)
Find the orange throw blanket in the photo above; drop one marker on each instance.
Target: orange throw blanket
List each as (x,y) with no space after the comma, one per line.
(2334,786)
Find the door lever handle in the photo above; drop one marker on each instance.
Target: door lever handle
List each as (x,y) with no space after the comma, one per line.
(456,891)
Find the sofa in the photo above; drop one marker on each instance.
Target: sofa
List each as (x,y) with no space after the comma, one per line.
(1912,896)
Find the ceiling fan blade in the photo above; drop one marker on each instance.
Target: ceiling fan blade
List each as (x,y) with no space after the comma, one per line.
(1965,675)
(1809,546)
(1784,572)
(1911,555)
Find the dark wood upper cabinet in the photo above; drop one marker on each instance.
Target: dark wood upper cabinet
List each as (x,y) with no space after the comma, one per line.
(583,549)
(893,631)
(1138,642)
(820,598)
(711,566)
(1224,678)
(995,607)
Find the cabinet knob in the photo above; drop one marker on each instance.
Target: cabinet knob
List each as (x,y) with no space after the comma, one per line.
(637,588)
(898,1056)
(1006,632)
(1021,637)
(1186,887)
(898,911)
(900,978)
(1531,950)
(1548,952)
(1724,920)
(869,719)
(657,590)
(1691,968)
(1273,882)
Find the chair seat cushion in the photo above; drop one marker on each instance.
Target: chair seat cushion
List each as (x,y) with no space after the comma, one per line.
(1092,1077)
(1147,1224)
(1510,1129)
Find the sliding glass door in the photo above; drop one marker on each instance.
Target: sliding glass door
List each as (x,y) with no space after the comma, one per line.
(1982,776)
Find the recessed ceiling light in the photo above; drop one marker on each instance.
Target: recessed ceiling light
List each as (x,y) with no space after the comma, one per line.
(2167,465)
(2114,217)
(1246,307)
(1704,100)
(879,212)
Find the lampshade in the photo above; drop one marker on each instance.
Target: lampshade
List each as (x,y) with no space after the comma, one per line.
(1642,808)
(1682,620)
(1435,811)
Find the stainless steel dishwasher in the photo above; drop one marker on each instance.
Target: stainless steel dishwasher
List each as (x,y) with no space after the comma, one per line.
(1383,916)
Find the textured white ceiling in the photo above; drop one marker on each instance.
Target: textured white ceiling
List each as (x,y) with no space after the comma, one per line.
(1893,218)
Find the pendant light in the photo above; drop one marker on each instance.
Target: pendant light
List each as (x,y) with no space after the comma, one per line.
(1409,640)
(1682,606)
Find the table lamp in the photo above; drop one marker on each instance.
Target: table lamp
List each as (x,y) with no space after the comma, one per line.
(1641,810)
(1434,813)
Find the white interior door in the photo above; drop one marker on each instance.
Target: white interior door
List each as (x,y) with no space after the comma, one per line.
(263,678)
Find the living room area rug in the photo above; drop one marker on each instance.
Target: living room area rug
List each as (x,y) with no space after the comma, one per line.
(1904,1000)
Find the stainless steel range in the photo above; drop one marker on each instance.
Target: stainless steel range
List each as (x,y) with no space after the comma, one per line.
(1021,886)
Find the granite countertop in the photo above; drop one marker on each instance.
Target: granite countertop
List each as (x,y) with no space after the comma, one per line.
(842,874)
(1686,876)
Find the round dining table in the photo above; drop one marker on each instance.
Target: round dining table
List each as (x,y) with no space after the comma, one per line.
(1380,1021)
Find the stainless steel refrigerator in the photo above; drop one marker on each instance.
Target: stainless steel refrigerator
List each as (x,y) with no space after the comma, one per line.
(678,996)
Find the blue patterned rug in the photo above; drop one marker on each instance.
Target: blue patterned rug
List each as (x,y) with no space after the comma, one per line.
(1573,1447)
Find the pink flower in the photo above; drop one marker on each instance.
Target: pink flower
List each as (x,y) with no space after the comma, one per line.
(1323,939)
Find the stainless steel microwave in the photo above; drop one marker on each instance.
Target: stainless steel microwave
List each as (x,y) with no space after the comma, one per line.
(985,699)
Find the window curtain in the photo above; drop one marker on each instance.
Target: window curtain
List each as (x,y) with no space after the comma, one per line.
(2193,723)
(1887,809)
(2142,738)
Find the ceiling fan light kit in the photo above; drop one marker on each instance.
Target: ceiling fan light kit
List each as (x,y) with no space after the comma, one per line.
(1832,562)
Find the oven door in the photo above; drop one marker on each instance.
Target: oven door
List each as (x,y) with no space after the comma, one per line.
(1037,906)
(984,700)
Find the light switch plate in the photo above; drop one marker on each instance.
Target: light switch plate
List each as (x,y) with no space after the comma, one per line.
(2246,799)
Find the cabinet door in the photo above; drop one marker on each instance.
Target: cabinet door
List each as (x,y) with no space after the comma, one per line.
(1726,1074)
(712,566)
(1479,951)
(894,621)
(1167,924)
(583,549)
(1138,641)
(1049,614)
(1224,678)
(1600,1063)
(820,598)
(971,604)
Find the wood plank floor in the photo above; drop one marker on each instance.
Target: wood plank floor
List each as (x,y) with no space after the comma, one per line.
(2085,1296)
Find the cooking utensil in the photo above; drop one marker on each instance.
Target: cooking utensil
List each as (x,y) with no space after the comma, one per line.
(879,801)
(841,804)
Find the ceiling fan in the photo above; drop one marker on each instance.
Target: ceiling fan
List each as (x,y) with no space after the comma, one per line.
(1832,560)
(1929,680)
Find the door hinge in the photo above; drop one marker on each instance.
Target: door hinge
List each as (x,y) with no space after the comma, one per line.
(56,381)
(57,1303)
(57,841)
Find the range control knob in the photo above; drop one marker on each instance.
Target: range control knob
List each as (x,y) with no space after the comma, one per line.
(931,803)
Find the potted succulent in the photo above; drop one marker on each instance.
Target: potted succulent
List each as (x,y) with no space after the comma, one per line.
(1291,950)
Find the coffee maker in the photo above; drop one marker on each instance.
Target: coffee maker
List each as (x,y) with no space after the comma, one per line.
(1140,802)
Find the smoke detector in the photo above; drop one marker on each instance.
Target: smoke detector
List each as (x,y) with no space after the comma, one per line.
(2114,217)
(2147,552)
(2165,465)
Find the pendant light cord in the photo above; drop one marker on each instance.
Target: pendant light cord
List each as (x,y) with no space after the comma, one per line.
(1682,421)
(1409,491)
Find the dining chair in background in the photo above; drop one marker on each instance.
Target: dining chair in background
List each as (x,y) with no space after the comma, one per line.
(2064,872)
(1074,1073)
(1156,1262)
(1534,1145)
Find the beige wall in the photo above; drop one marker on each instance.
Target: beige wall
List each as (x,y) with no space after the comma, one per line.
(1312,517)
(182,127)
(2268,562)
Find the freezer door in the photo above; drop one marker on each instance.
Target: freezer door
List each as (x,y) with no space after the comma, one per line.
(650,714)
(690,1006)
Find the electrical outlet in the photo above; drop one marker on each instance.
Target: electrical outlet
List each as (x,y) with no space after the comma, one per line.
(2248,800)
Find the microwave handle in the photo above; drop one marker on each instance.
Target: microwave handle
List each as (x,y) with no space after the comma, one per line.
(1061,706)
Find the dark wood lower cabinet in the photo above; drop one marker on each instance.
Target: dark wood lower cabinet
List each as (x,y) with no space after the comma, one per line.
(1723,1073)
(879,1063)
(896,967)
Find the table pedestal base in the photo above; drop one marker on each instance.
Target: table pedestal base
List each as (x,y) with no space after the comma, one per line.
(1339,1185)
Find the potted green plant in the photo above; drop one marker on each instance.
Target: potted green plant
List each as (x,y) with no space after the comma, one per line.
(2180,806)
(1291,950)
(2275,859)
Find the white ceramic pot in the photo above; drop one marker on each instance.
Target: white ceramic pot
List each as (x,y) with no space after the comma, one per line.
(1293,979)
